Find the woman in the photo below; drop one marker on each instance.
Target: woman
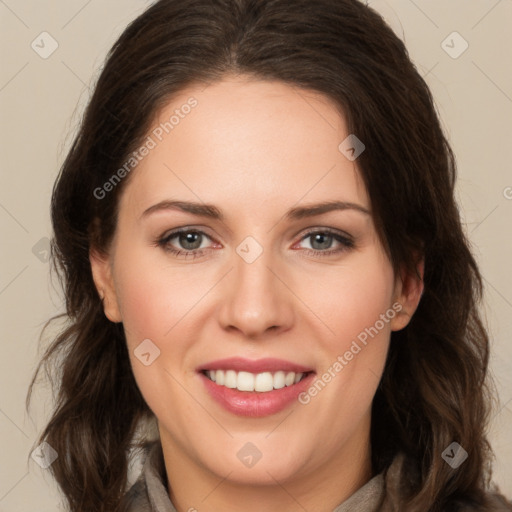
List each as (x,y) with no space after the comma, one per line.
(261,251)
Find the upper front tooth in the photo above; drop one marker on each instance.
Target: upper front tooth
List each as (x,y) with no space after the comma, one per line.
(245,381)
(264,382)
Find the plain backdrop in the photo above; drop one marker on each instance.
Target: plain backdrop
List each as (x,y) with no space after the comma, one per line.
(463,48)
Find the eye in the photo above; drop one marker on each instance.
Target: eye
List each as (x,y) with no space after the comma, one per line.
(321,241)
(189,241)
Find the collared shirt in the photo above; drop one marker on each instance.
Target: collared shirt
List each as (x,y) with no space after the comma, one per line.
(149,493)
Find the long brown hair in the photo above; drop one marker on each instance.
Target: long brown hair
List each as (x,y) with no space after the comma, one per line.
(434,389)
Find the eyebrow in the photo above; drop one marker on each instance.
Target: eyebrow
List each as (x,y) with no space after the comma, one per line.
(212,212)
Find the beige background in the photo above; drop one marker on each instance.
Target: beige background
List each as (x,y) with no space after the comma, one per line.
(41,101)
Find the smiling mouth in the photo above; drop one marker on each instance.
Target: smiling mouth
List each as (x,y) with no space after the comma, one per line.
(257,382)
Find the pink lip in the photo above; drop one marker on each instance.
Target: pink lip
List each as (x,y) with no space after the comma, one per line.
(253,403)
(240,364)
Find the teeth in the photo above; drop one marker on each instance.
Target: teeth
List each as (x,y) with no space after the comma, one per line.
(230,379)
(245,381)
(260,382)
(289,379)
(264,382)
(278,380)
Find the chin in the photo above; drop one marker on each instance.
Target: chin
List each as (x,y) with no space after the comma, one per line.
(251,465)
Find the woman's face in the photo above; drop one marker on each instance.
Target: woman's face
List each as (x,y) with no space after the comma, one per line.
(265,289)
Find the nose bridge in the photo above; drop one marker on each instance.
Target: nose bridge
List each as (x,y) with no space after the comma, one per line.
(256,300)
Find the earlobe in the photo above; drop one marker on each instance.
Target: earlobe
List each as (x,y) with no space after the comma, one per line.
(408,291)
(103,280)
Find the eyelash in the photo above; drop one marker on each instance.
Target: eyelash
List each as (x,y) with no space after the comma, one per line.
(164,242)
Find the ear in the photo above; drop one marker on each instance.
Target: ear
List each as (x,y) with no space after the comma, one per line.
(408,291)
(102,276)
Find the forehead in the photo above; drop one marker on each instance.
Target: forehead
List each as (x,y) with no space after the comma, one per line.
(249,145)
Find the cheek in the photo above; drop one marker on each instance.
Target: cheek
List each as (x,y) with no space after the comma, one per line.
(157,302)
(352,298)
(153,297)
(353,351)
(355,303)
(153,300)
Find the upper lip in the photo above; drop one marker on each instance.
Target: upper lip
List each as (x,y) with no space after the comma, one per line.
(241,364)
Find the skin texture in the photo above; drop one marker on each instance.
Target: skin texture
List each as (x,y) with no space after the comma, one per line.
(254,149)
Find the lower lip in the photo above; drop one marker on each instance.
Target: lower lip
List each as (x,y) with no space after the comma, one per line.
(253,403)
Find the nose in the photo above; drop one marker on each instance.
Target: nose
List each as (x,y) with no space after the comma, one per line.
(256,300)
